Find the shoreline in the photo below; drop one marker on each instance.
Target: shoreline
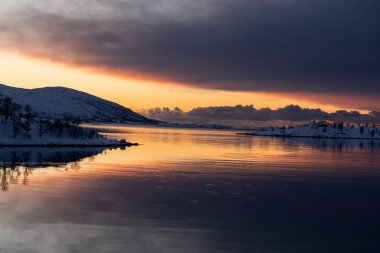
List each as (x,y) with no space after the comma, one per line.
(310,137)
(129,144)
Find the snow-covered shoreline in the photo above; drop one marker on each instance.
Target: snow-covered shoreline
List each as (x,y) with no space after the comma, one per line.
(20,126)
(116,144)
(35,138)
(332,131)
(65,142)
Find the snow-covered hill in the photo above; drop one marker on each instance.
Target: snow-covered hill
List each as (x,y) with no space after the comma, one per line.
(54,102)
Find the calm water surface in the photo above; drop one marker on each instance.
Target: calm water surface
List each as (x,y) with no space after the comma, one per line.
(192,191)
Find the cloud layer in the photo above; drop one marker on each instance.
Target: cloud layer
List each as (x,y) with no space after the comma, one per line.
(249,116)
(325,46)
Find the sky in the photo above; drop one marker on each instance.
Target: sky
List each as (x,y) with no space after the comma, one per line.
(202,53)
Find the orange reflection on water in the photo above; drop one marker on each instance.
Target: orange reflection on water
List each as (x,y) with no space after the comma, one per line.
(168,150)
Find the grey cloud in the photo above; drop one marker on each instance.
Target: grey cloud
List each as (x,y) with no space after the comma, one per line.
(250,116)
(327,46)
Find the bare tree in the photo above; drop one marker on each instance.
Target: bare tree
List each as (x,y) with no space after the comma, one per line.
(6,108)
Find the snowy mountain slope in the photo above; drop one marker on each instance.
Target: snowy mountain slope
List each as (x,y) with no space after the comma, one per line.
(53,102)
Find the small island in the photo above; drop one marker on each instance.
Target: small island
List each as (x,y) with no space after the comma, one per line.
(21,126)
(324,129)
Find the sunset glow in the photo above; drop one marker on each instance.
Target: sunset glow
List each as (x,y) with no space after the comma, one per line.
(125,50)
(189,126)
(27,72)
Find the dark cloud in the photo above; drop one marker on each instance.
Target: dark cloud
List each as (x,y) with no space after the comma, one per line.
(249,116)
(326,46)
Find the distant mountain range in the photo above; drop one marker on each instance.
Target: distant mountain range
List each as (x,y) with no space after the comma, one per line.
(53,102)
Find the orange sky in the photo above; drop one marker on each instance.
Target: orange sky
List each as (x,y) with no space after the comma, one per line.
(22,71)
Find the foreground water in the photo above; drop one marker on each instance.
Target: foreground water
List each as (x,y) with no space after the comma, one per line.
(192,191)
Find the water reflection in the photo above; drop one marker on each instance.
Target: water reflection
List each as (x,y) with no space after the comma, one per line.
(228,138)
(186,191)
(17,164)
(336,144)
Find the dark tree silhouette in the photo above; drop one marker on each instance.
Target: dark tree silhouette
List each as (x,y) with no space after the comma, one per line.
(6,108)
